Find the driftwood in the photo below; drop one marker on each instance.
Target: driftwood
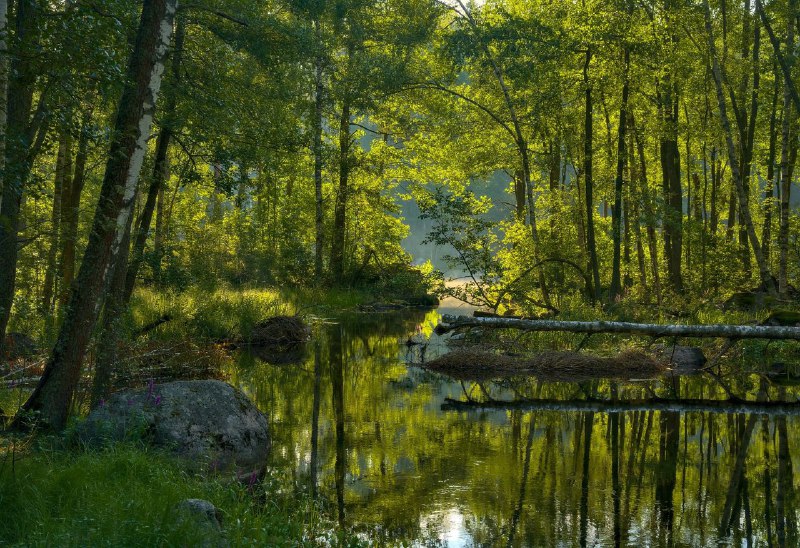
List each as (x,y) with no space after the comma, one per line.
(450,322)
(654,404)
(550,366)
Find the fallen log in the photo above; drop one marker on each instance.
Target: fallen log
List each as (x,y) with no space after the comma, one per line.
(654,404)
(450,322)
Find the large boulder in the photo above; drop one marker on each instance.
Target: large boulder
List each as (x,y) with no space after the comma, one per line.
(209,423)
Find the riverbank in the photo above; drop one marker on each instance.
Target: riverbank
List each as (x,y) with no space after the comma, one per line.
(126,495)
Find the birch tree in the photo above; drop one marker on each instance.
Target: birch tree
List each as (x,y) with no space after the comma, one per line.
(51,400)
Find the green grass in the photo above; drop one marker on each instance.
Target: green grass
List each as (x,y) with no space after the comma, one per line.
(125,496)
(202,314)
(226,313)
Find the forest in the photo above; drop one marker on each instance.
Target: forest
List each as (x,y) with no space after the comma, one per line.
(178,179)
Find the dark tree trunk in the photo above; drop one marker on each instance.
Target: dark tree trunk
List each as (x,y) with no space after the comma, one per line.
(519,195)
(636,198)
(671,180)
(713,219)
(59,184)
(113,308)
(587,175)
(340,211)
(788,137)
(18,160)
(744,211)
(772,180)
(652,243)
(319,218)
(52,397)
(616,221)
(71,208)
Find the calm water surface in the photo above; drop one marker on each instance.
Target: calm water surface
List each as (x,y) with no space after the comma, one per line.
(366,431)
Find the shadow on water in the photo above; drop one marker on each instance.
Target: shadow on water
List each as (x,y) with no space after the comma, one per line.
(413,457)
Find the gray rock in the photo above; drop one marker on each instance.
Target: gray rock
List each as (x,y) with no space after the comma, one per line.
(209,423)
(684,359)
(204,520)
(202,510)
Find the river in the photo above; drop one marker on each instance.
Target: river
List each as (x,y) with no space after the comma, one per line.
(358,425)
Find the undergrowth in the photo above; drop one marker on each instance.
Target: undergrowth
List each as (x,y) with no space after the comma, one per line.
(126,496)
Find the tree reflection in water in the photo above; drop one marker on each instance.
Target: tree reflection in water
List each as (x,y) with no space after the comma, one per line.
(387,457)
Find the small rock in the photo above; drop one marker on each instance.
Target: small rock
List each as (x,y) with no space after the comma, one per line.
(783,318)
(682,358)
(203,519)
(201,509)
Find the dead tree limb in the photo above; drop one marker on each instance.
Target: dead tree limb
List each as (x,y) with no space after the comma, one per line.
(450,322)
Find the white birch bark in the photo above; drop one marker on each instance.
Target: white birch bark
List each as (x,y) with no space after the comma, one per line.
(144,127)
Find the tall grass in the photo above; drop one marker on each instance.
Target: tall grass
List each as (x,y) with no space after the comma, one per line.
(203,314)
(126,496)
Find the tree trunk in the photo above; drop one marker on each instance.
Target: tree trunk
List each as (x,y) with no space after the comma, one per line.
(160,166)
(340,211)
(713,219)
(317,151)
(636,197)
(772,180)
(53,395)
(616,221)
(450,322)
(744,208)
(671,180)
(786,181)
(3,91)
(587,176)
(162,217)
(652,243)
(785,63)
(18,155)
(114,305)
(59,184)
(71,208)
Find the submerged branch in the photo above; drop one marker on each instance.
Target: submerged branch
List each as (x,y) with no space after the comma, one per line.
(654,404)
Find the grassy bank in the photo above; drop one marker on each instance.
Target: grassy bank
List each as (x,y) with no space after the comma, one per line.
(126,496)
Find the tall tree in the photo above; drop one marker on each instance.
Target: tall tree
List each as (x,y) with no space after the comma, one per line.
(616,284)
(720,81)
(52,397)
(588,180)
(21,146)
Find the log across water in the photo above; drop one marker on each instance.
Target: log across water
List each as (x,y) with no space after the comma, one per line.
(727,331)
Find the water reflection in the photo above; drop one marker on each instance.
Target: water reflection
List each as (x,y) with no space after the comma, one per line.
(370,435)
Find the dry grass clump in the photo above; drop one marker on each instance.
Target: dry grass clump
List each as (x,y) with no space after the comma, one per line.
(552,366)
(280,331)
